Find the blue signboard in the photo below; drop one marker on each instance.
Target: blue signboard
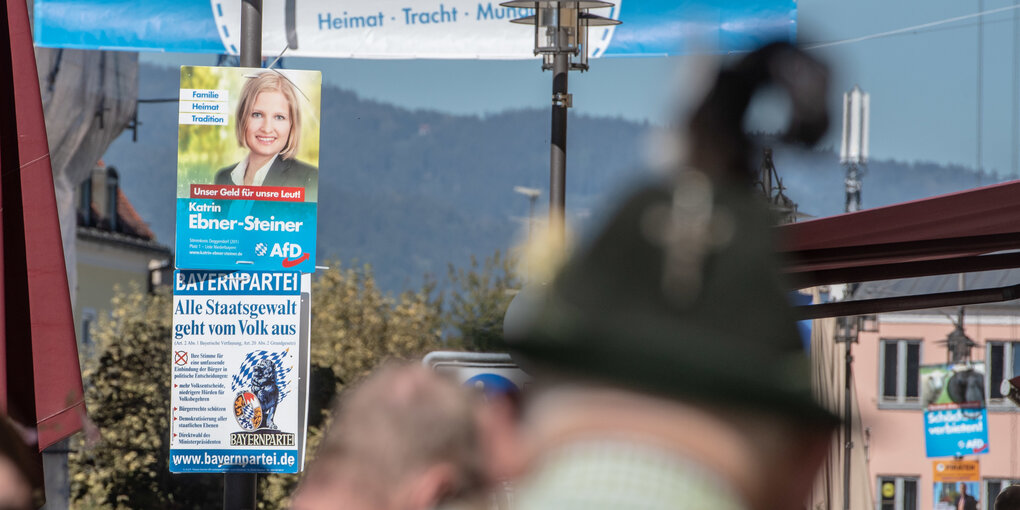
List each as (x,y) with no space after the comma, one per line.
(494,374)
(241,234)
(952,430)
(684,27)
(803,327)
(492,384)
(405,28)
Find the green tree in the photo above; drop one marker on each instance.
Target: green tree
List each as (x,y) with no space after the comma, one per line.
(354,327)
(479,297)
(127,390)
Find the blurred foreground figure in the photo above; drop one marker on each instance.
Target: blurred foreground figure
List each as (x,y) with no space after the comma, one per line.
(669,370)
(1008,499)
(404,439)
(18,474)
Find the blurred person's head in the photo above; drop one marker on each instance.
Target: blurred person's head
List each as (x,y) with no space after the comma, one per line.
(673,327)
(18,471)
(1008,499)
(15,491)
(403,439)
(502,444)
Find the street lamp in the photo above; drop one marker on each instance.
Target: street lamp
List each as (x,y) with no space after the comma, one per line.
(848,331)
(959,345)
(561,37)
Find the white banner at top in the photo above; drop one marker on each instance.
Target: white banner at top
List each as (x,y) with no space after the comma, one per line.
(391,29)
(442,29)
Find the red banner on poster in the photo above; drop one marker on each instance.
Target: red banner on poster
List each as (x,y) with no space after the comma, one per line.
(232,192)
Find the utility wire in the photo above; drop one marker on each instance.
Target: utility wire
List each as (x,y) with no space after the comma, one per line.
(905,30)
(980,89)
(1016,93)
(987,23)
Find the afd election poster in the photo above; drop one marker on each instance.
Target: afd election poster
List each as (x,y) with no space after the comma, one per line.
(955,417)
(405,28)
(239,366)
(247,168)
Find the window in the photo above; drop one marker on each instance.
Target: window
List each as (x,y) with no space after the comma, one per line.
(993,486)
(900,373)
(897,493)
(88,320)
(1003,363)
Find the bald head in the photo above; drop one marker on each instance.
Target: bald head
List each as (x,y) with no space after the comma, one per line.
(1008,499)
(404,432)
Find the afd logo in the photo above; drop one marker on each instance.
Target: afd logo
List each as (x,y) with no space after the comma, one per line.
(291,253)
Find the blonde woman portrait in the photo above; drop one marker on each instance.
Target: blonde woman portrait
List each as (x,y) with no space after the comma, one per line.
(268,124)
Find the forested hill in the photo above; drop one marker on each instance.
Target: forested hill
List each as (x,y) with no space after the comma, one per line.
(411,191)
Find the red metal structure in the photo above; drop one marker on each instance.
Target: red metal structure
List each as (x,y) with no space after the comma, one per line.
(974,230)
(40,379)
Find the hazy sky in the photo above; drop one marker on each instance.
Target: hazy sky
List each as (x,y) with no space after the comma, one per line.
(923,84)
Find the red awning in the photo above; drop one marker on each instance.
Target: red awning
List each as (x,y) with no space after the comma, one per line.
(40,380)
(975,230)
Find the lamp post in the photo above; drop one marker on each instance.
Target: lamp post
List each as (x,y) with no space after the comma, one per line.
(847,332)
(561,37)
(240,490)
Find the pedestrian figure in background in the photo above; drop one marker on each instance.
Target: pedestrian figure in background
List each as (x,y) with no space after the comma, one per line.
(965,501)
(404,439)
(669,372)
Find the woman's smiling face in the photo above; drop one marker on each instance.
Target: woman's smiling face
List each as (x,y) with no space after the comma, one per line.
(269,124)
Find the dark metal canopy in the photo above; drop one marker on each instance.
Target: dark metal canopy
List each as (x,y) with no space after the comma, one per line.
(968,231)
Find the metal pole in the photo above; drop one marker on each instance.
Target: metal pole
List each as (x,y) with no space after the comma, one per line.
(847,424)
(240,490)
(1015,174)
(558,146)
(980,85)
(251,33)
(904,303)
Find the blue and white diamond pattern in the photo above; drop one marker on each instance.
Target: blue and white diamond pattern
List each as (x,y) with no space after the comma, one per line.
(261,249)
(247,418)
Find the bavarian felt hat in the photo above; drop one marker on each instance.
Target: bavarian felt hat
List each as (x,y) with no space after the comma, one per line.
(680,294)
(691,309)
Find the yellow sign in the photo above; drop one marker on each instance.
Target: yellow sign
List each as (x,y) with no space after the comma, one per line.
(888,490)
(956,471)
